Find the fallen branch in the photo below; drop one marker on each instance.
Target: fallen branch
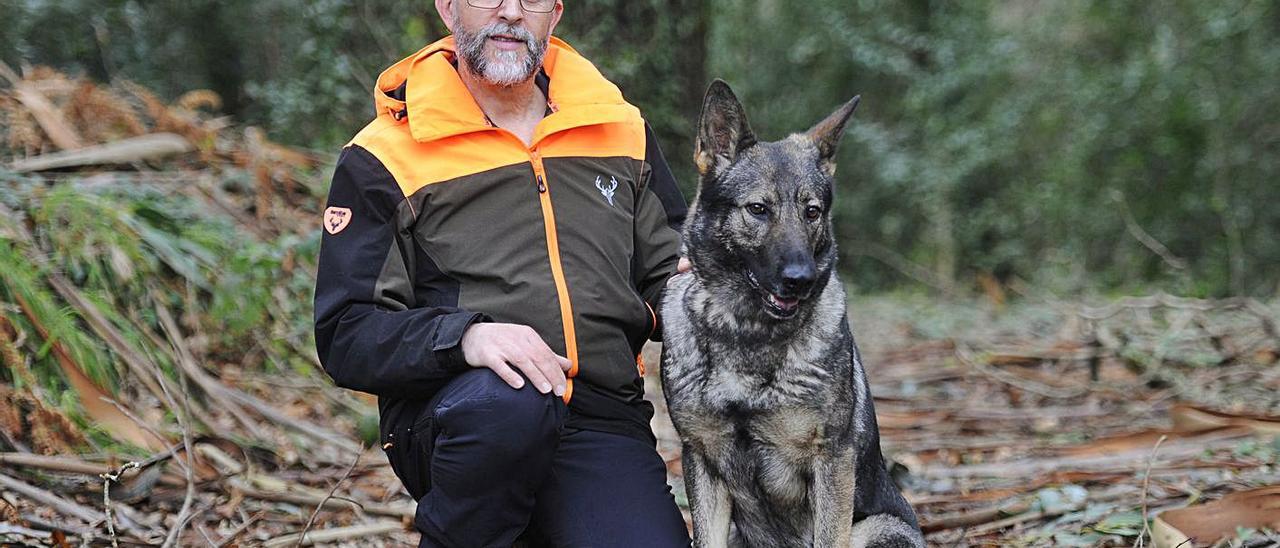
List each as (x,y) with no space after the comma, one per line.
(235,533)
(57,464)
(399,511)
(965,355)
(335,534)
(1110,495)
(1128,461)
(973,517)
(126,151)
(65,526)
(221,391)
(1146,482)
(184,421)
(11,529)
(45,113)
(59,504)
(311,520)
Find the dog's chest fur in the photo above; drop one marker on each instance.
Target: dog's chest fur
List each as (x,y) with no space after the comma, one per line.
(754,429)
(759,413)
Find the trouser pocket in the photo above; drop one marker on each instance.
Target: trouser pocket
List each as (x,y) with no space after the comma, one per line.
(408,450)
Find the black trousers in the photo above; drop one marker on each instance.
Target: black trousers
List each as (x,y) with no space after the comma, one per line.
(489,465)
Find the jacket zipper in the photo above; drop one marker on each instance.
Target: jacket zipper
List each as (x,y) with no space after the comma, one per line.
(557,268)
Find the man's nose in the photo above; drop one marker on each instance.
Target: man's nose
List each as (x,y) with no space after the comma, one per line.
(510,11)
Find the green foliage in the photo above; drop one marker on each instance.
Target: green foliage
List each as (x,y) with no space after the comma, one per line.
(127,247)
(93,243)
(22,283)
(1011,138)
(1052,142)
(655,50)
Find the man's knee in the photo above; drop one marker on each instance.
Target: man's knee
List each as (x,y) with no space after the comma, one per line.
(508,422)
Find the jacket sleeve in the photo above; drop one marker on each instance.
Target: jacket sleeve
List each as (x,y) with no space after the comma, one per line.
(659,216)
(371,335)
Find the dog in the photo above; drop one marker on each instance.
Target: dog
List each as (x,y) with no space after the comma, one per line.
(762,377)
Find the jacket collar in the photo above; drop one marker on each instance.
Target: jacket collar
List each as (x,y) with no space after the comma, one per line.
(437,105)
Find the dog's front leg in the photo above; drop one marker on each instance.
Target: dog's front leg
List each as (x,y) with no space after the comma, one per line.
(708,502)
(833,485)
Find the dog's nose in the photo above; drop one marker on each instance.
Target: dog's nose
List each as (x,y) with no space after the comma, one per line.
(797,277)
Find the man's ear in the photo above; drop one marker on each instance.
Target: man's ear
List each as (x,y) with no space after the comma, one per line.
(445,9)
(556,14)
(826,135)
(723,131)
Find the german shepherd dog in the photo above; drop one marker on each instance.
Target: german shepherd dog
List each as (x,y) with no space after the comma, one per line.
(762,377)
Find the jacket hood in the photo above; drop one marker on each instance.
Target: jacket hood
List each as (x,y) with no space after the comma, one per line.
(437,104)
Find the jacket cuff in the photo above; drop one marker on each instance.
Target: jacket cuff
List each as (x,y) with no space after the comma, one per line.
(447,343)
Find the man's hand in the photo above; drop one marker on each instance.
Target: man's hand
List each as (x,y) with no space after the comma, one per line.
(682,267)
(502,346)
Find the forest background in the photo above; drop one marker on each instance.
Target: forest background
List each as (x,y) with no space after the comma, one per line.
(1105,147)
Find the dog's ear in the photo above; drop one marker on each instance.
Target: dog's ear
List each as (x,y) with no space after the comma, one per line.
(723,132)
(826,135)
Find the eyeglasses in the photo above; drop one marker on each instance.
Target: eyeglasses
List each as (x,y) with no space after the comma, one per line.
(534,6)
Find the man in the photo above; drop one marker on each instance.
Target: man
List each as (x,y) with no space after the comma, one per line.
(496,244)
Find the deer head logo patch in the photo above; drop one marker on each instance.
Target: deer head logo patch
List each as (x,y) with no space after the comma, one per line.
(607,191)
(336,219)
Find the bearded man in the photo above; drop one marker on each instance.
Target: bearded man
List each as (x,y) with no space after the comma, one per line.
(495,246)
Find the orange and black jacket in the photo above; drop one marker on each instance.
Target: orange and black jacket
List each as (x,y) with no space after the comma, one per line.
(437,219)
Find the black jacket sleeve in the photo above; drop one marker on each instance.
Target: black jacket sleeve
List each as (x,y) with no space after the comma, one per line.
(371,335)
(659,215)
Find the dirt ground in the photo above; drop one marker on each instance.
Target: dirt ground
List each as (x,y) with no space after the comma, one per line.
(1001,437)
(999,432)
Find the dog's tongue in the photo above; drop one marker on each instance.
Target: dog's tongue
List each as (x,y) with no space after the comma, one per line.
(785,304)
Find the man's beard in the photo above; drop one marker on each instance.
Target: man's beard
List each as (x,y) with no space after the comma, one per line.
(508,68)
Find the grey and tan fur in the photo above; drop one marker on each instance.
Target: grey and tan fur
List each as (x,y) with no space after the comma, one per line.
(762,377)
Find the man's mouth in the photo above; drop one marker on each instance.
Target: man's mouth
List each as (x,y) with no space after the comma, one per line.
(507,42)
(775,304)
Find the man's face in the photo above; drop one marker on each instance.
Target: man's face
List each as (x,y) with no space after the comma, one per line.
(504,45)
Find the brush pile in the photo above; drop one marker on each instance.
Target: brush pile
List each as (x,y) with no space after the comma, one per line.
(160,380)
(161,387)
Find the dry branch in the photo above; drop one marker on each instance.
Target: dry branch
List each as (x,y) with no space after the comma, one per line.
(1126,461)
(144,148)
(326,498)
(336,534)
(220,391)
(63,506)
(46,114)
(399,511)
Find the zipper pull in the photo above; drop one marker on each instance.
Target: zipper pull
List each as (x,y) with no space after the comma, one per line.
(542,186)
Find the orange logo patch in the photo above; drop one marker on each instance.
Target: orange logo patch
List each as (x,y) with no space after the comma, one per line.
(336,219)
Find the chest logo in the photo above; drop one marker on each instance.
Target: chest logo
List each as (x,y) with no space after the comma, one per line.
(336,219)
(607,191)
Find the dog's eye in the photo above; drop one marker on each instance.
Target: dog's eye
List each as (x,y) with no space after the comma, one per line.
(812,213)
(757,209)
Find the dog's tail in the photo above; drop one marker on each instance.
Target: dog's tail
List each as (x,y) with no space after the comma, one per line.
(886,531)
